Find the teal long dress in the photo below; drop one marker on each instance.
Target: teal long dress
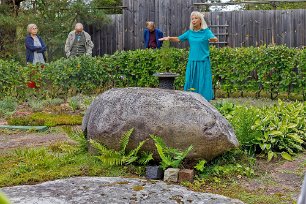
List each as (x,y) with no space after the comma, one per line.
(198,76)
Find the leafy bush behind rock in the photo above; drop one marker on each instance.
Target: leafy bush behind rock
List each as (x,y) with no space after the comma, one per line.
(271,130)
(272,69)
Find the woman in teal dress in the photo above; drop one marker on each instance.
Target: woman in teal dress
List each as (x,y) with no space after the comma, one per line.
(198,72)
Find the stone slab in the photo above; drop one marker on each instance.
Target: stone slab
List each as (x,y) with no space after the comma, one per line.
(109,190)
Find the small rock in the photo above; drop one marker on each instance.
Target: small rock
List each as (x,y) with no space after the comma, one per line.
(154,172)
(186,175)
(171,175)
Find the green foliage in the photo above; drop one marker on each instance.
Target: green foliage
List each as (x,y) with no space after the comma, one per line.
(74,103)
(283,129)
(269,130)
(61,160)
(47,119)
(145,158)
(170,157)
(78,136)
(55,19)
(36,105)
(302,72)
(200,166)
(4,199)
(110,157)
(7,106)
(165,60)
(276,73)
(69,77)
(233,163)
(54,101)
(271,69)
(242,118)
(226,109)
(10,85)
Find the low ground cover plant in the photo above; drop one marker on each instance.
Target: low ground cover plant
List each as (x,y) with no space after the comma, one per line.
(270,131)
(47,119)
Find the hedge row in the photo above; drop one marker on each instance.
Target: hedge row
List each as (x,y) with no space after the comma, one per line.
(272,69)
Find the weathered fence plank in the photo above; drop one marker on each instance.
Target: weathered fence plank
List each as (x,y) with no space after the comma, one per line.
(245,28)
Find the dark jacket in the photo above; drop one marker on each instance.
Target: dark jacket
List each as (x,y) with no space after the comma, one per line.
(158,35)
(30,48)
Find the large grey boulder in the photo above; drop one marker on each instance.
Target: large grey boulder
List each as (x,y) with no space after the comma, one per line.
(180,118)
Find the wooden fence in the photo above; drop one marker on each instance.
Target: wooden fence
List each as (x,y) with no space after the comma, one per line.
(235,28)
(254,28)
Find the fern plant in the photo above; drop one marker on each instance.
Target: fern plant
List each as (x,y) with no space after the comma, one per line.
(200,166)
(78,136)
(111,157)
(170,157)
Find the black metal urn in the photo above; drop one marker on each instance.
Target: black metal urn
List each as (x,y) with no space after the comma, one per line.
(166,79)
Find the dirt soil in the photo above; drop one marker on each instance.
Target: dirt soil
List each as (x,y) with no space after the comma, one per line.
(15,140)
(278,177)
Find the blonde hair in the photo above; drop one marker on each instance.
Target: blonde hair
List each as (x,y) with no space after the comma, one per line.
(150,23)
(201,16)
(30,26)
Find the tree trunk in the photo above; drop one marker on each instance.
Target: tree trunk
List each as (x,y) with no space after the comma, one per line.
(12,2)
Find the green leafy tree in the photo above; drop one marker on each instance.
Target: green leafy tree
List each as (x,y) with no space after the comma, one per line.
(55,19)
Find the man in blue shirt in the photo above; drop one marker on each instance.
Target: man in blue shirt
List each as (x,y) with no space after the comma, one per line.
(151,36)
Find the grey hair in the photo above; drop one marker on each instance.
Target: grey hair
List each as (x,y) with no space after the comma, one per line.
(201,16)
(30,26)
(79,24)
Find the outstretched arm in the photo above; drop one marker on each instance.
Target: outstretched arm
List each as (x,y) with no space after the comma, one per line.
(172,39)
(213,39)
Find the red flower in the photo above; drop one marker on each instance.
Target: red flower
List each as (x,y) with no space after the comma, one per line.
(42,66)
(31,84)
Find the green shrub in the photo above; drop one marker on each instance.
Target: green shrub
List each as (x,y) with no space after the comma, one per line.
(75,103)
(37,105)
(270,130)
(301,76)
(54,101)
(11,80)
(242,120)
(7,106)
(268,69)
(283,129)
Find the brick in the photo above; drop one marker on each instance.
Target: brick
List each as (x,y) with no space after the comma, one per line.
(186,175)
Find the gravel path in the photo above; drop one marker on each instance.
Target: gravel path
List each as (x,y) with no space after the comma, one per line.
(23,139)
